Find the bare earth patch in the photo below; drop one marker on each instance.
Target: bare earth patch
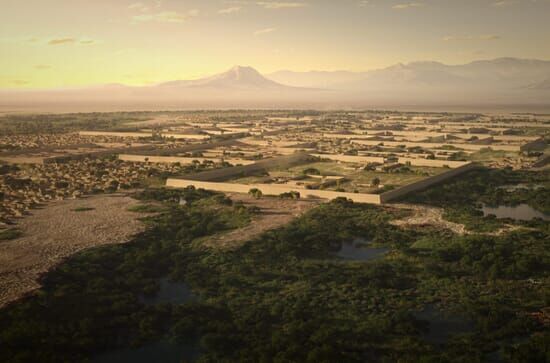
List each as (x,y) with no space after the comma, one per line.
(423,215)
(274,213)
(58,231)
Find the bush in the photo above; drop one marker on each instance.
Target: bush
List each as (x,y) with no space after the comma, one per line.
(290,195)
(256,193)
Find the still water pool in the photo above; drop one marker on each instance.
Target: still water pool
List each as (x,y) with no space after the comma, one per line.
(359,250)
(521,212)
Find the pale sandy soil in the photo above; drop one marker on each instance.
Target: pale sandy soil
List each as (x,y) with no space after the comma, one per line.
(57,231)
(423,215)
(157,121)
(274,213)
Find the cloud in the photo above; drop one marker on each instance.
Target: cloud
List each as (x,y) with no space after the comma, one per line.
(450,38)
(87,41)
(363,3)
(20,82)
(408,6)
(167,16)
(264,31)
(280,4)
(145,7)
(504,3)
(231,10)
(61,41)
(42,66)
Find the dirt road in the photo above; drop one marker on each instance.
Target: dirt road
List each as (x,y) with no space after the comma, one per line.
(274,213)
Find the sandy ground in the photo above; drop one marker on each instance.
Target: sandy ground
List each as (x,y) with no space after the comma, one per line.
(274,213)
(57,231)
(423,215)
(163,120)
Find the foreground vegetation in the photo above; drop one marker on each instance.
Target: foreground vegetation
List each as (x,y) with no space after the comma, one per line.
(285,297)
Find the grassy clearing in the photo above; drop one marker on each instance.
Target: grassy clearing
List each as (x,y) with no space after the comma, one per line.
(9,234)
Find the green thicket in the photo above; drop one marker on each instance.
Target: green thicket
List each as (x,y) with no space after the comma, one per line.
(463,197)
(284,296)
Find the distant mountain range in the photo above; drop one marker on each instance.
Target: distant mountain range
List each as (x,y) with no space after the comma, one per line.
(510,73)
(501,81)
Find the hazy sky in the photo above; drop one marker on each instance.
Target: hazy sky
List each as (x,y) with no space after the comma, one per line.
(55,43)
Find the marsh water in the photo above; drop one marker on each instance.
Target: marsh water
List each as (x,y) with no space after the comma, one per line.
(359,250)
(170,292)
(521,212)
(442,325)
(160,352)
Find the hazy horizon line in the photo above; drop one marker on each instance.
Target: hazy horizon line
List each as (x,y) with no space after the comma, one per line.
(226,69)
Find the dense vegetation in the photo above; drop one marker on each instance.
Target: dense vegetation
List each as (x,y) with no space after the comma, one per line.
(285,297)
(463,197)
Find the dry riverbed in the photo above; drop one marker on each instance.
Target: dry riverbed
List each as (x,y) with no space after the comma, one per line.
(59,230)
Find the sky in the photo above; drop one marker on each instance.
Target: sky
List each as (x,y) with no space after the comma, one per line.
(75,43)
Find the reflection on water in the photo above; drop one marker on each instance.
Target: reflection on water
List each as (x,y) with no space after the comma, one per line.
(442,325)
(170,292)
(358,250)
(521,212)
(159,352)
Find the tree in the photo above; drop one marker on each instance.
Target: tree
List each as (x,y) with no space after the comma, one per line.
(256,193)
(375,182)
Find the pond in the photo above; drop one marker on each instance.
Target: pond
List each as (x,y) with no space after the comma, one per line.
(170,292)
(442,325)
(163,351)
(521,212)
(358,249)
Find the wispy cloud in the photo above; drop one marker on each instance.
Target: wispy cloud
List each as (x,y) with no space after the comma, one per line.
(502,3)
(145,7)
(281,4)
(230,10)
(408,6)
(166,16)
(450,38)
(264,31)
(70,40)
(60,41)
(42,66)
(363,3)
(19,82)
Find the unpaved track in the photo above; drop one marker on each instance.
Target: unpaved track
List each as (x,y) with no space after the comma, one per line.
(56,232)
(423,215)
(274,213)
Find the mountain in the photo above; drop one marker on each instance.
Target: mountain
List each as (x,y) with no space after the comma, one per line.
(543,85)
(485,83)
(502,73)
(237,77)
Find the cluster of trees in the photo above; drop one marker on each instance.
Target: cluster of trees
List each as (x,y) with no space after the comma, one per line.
(290,195)
(285,296)
(31,124)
